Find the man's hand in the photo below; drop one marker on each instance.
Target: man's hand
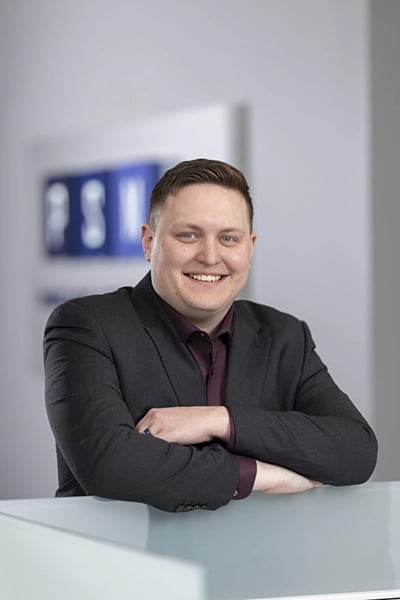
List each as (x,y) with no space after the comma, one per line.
(187,424)
(272,479)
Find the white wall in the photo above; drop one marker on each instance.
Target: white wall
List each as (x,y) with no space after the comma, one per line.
(300,67)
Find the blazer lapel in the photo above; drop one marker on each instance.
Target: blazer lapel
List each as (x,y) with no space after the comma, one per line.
(248,359)
(179,363)
(180,366)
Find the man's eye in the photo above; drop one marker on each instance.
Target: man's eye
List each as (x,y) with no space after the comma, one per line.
(228,239)
(187,235)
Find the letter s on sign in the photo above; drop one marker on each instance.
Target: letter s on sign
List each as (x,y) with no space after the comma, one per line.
(93,229)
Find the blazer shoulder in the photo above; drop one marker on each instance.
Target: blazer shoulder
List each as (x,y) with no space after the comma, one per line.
(104,308)
(267,316)
(96,302)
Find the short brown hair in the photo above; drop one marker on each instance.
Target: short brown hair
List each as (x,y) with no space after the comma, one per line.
(200,170)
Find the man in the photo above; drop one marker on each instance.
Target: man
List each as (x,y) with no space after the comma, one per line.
(174,394)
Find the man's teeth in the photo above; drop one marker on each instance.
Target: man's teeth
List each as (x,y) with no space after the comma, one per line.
(206,277)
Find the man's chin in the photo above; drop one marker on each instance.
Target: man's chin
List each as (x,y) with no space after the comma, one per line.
(205,307)
(206,310)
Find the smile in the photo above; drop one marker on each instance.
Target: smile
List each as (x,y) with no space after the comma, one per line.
(208,278)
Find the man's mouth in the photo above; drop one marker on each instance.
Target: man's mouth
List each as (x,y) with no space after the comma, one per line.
(207,278)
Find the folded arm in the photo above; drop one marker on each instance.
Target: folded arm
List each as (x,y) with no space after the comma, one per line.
(198,424)
(96,434)
(320,434)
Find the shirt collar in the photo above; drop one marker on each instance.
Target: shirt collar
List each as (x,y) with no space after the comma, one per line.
(185,329)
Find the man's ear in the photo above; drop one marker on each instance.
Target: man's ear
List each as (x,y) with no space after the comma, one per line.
(253,238)
(147,238)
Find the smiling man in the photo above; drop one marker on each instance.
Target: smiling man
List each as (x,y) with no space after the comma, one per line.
(176,394)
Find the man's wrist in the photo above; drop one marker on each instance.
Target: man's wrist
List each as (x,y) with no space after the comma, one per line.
(221,423)
(274,479)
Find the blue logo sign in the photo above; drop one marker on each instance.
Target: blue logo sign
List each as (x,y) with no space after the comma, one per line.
(98,213)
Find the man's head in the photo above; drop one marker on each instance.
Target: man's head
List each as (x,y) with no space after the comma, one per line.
(200,170)
(199,239)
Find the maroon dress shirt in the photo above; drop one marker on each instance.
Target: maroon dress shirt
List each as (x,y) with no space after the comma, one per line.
(211,355)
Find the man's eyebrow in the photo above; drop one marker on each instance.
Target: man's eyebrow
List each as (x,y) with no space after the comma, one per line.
(229,229)
(186,224)
(233,230)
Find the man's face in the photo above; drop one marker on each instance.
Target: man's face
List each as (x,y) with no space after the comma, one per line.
(200,251)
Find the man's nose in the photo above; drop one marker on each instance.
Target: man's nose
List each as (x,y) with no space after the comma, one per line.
(208,252)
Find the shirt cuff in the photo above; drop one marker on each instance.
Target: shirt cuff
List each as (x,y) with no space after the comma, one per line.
(247,475)
(247,466)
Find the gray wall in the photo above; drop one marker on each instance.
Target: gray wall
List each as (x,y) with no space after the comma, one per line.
(385,178)
(302,68)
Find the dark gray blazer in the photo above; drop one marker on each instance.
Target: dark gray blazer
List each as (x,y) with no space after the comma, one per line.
(110,358)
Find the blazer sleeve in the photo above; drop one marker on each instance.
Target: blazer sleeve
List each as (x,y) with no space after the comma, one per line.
(95,432)
(318,433)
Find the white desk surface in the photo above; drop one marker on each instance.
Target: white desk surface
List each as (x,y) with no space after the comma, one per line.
(341,542)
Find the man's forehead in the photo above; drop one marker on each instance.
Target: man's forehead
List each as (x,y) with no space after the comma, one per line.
(197,193)
(193,197)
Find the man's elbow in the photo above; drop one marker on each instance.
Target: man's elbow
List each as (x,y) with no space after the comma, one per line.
(360,462)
